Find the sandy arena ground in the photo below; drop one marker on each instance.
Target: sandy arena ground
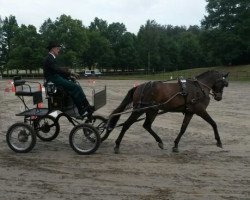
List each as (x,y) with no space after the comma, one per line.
(53,171)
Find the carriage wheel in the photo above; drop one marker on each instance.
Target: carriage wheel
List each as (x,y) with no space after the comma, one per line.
(100,122)
(21,137)
(47,128)
(84,139)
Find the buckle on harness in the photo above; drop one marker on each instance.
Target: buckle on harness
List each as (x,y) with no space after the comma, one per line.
(183,84)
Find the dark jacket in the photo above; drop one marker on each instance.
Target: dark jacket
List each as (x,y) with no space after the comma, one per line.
(50,68)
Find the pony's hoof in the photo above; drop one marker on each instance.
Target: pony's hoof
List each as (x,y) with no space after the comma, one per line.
(175,149)
(161,145)
(116,150)
(219,144)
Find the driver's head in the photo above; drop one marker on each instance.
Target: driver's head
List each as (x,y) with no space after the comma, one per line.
(54,47)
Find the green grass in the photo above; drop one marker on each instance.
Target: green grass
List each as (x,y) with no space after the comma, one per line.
(237,73)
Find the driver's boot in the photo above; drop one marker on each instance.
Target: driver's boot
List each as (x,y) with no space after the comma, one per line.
(87,109)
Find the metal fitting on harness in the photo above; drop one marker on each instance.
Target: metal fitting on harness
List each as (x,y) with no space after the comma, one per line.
(183,84)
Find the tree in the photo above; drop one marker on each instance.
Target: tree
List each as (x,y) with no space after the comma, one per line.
(71,34)
(2,48)
(127,54)
(26,52)
(190,51)
(148,45)
(113,33)
(100,26)
(98,52)
(169,53)
(47,31)
(228,23)
(8,29)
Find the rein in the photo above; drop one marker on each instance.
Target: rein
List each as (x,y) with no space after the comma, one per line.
(144,108)
(129,110)
(206,87)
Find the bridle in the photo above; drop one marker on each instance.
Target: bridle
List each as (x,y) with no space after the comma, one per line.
(213,93)
(209,88)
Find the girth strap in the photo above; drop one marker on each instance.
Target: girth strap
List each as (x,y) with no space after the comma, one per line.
(142,89)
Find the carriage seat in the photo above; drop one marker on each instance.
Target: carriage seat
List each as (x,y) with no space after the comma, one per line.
(24,89)
(58,98)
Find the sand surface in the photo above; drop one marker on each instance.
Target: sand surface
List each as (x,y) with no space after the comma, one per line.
(53,171)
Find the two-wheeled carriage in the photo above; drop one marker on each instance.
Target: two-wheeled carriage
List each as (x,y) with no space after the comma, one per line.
(84,138)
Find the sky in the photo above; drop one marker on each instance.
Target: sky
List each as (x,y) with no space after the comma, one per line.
(132,13)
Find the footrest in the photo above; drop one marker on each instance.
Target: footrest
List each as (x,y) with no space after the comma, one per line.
(72,112)
(26,93)
(34,112)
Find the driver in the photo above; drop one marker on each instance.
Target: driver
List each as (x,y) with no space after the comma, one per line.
(59,75)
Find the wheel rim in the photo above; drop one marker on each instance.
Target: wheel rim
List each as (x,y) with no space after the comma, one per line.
(100,124)
(84,139)
(46,128)
(20,138)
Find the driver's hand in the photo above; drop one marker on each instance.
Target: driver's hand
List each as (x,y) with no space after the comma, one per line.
(76,75)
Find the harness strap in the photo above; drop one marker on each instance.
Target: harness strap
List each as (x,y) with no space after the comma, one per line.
(145,86)
(184,93)
(200,83)
(144,108)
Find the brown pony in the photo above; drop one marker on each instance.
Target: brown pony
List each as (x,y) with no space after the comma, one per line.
(189,96)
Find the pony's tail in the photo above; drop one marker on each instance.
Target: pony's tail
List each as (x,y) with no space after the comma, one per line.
(126,101)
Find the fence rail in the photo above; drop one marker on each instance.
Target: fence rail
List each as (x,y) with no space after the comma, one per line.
(234,75)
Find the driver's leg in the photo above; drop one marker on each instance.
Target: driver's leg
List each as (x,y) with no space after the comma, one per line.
(76,93)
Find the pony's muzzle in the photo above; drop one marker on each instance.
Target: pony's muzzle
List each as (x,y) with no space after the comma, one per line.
(217,96)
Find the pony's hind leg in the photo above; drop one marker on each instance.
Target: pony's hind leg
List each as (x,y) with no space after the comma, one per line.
(186,120)
(132,118)
(150,117)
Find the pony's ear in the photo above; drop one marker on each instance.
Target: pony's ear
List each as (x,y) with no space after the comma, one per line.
(226,75)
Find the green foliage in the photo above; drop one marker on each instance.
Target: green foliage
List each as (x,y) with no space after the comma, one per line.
(99,52)
(26,52)
(127,55)
(227,35)
(190,51)
(71,34)
(8,29)
(148,45)
(100,26)
(222,39)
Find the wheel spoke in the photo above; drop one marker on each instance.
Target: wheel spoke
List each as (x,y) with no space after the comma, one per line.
(84,139)
(21,137)
(48,128)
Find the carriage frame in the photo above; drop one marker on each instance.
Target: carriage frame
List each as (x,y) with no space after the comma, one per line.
(84,138)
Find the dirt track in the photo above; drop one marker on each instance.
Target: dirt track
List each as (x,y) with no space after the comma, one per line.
(52,170)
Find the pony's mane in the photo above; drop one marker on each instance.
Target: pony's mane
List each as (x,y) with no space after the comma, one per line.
(205,74)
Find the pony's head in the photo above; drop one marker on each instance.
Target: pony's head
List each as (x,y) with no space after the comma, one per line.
(220,83)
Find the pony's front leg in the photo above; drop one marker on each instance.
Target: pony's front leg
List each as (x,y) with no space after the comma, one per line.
(208,119)
(118,141)
(186,120)
(132,118)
